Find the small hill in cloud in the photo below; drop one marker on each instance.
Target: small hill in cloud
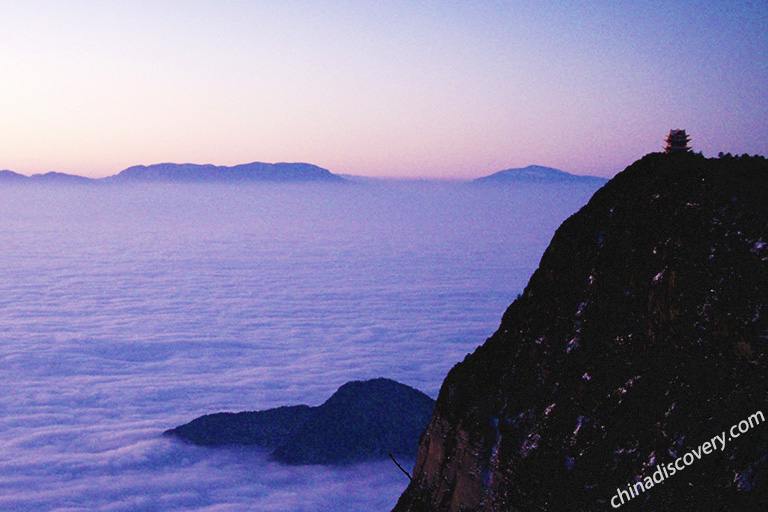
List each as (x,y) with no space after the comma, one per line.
(362,420)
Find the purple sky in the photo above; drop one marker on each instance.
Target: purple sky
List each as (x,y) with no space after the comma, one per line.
(396,88)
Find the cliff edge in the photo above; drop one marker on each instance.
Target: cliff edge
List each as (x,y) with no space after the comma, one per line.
(642,335)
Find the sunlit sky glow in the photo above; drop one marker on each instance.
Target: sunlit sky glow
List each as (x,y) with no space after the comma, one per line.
(448,89)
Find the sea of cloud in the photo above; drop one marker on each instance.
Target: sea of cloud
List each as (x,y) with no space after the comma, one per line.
(127,311)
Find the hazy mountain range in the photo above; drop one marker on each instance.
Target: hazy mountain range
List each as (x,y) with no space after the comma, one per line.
(49,177)
(535,174)
(190,173)
(265,172)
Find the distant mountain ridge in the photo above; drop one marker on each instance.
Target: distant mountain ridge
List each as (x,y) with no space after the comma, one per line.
(190,173)
(535,174)
(277,172)
(255,171)
(49,177)
(7,176)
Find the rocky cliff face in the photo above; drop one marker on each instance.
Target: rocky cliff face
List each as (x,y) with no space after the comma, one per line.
(642,335)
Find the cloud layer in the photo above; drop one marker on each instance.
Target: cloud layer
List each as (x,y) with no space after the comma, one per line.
(124,312)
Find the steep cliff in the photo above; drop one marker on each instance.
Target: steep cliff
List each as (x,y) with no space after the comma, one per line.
(642,334)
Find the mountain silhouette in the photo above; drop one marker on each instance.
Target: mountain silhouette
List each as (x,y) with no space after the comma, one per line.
(362,420)
(256,171)
(535,174)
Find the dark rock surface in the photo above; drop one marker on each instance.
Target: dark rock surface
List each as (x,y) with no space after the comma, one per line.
(643,334)
(362,420)
(535,174)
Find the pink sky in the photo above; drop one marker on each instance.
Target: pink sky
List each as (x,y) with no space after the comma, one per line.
(403,89)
